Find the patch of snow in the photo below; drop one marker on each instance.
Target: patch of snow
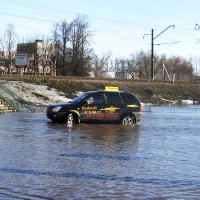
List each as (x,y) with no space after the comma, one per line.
(188,102)
(38,94)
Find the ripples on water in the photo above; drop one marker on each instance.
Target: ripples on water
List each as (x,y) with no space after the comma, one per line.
(156,159)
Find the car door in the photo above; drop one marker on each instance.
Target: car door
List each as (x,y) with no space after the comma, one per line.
(113,106)
(131,102)
(90,110)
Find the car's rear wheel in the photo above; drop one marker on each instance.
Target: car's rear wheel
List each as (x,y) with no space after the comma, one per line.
(70,120)
(128,119)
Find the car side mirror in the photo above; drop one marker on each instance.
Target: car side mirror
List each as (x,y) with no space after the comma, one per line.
(85,102)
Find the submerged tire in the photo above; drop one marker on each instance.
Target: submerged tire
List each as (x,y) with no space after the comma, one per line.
(128,120)
(70,120)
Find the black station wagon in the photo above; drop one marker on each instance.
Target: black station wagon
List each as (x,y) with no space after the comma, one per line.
(101,106)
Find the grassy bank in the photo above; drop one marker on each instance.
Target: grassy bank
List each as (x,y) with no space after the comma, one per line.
(147,91)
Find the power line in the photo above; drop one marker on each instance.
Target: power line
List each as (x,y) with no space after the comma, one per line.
(26,17)
(54,10)
(51,21)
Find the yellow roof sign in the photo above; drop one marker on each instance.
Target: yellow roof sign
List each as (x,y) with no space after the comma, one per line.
(111,88)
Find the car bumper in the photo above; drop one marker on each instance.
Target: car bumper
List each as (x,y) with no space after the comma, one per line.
(56,116)
(138,116)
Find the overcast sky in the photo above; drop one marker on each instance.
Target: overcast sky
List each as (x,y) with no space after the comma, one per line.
(120,26)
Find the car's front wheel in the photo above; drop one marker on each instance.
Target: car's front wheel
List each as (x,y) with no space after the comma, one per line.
(128,119)
(70,120)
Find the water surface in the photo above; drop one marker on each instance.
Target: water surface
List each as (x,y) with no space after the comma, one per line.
(156,159)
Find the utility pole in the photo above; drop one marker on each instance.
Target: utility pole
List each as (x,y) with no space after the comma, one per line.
(152,48)
(197,27)
(152,55)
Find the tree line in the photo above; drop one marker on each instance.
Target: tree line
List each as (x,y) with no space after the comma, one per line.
(75,56)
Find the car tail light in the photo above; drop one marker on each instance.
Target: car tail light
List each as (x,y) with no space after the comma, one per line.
(140,108)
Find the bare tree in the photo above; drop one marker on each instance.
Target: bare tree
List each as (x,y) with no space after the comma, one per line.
(183,68)
(100,63)
(47,57)
(161,63)
(128,65)
(74,53)
(82,53)
(144,65)
(61,37)
(133,66)
(8,43)
(173,68)
(196,62)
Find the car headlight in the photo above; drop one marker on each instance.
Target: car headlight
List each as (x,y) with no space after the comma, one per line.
(56,108)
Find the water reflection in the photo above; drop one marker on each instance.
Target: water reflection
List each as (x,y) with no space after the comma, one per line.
(109,136)
(111,133)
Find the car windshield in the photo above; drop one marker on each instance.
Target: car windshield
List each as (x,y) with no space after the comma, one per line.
(79,98)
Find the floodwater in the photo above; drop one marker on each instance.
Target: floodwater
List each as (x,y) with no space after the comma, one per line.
(157,159)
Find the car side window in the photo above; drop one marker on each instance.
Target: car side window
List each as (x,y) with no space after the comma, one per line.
(96,99)
(129,98)
(113,98)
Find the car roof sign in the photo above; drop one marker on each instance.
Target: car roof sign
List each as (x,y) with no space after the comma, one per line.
(111,88)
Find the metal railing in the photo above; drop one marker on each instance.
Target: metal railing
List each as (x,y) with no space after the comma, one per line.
(14,100)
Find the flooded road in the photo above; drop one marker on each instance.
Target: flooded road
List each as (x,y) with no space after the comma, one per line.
(157,159)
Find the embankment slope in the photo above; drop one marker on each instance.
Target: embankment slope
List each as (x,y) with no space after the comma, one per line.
(147,91)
